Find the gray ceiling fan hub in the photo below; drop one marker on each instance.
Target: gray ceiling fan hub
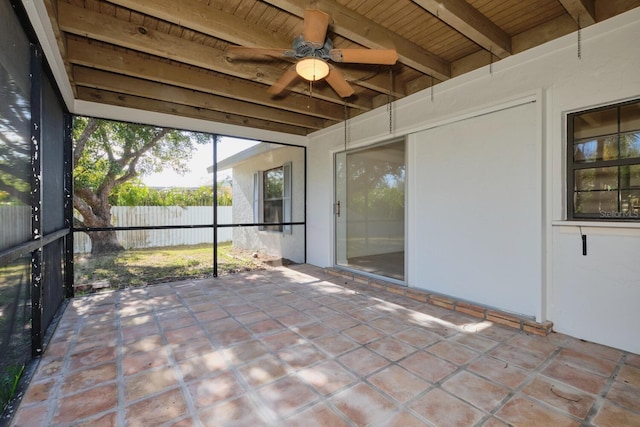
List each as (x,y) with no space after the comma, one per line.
(302,49)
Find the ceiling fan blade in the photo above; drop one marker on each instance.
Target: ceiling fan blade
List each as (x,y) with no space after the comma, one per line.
(285,80)
(365,56)
(337,81)
(316,23)
(256,51)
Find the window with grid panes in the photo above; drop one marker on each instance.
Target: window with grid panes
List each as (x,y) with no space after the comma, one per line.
(603,163)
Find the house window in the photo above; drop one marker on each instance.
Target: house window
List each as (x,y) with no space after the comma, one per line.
(603,163)
(272,198)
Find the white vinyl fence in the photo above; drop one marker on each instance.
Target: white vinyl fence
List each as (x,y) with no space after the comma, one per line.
(16,225)
(148,216)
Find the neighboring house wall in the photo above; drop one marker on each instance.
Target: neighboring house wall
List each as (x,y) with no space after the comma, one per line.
(486,216)
(289,246)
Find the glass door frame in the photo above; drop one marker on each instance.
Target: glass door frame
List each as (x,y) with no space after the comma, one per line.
(339,206)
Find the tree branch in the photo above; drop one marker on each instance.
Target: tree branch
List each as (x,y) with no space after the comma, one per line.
(131,172)
(146,147)
(85,210)
(81,142)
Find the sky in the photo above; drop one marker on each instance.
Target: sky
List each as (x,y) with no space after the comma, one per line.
(201,160)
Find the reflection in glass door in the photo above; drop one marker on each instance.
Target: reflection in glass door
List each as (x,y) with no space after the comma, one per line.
(369,210)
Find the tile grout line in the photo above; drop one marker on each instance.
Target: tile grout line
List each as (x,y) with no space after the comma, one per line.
(290,369)
(323,399)
(191,407)
(121,411)
(601,397)
(252,390)
(248,390)
(57,389)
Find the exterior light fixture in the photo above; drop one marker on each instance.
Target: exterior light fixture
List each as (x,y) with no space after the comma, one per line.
(312,69)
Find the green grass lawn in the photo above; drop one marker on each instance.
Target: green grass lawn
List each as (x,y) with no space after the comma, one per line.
(138,267)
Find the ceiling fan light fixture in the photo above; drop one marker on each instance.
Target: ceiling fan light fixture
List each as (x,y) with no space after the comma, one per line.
(312,69)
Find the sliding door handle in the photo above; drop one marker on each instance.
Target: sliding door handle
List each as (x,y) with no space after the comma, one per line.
(336,208)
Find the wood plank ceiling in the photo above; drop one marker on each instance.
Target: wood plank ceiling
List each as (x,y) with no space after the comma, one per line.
(170,56)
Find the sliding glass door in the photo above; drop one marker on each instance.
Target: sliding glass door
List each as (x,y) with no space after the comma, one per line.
(370,210)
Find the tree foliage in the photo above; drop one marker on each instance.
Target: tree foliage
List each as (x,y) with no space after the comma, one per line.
(109,154)
(608,189)
(15,148)
(135,193)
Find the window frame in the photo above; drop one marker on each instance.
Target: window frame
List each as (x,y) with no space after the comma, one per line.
(572,167)
(259,182)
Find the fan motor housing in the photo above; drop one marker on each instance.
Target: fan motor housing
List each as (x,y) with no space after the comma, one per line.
(302,49)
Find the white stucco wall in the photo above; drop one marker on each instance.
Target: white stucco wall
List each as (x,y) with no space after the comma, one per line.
(474,216)
(544,273)
(290,246)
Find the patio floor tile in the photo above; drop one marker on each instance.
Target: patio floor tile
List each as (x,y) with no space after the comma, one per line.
(403,419)
(286,395)
(92,376)
(575,376)
(625,395)
(138,362)
(427,366)
(149,382)
(295,346)
(499,371)
(391,348)
(238,412)
(157,410)
(319,415)
(209,391)
(334,344)
(363,361)
(263,371)
(86,403)
(524,412)
(442,409)
(612,415)
(399,383)
(363,405)
(362,333)
(629,375)
(565,398)
(475,390)
(455,353)
(327,377)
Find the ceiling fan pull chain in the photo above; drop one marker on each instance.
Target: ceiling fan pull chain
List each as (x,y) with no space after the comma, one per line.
(491,60)
(389,104)
(579,39)
(431,88)
(346,118)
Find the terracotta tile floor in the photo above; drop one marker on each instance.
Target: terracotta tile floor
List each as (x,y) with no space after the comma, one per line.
(292,346)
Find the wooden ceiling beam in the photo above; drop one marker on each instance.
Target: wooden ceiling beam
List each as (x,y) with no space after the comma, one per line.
(94,25)
(105,80)
(131,64)
(198,16)
(606,9)
(583,12)
(465,19)
(541,34)
(145,104)
(366,32)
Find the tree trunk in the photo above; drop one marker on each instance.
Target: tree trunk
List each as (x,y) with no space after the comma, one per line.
(96,212)
(104,242)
